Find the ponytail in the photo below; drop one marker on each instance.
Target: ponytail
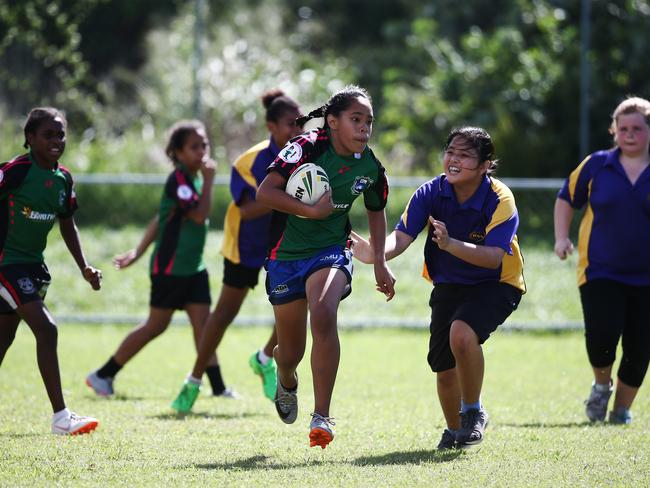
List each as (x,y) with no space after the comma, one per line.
(339,102)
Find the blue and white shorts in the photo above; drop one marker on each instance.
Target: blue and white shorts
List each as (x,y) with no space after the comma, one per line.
(285,280)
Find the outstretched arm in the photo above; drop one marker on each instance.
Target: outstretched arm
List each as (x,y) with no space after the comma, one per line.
(396,243)
(483,256)
(562,216)
(70,235)
(121,261)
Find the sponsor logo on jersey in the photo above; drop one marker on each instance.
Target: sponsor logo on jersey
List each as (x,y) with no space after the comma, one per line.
(280,289)
(292,153)
(361,183)
(341,206)
(184,192)
(38,216)
(476,236)
(26,286)
(61,197)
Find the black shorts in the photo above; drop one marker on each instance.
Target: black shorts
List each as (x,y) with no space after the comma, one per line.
(483,307)
(22,283)
(178,291)
(239,276)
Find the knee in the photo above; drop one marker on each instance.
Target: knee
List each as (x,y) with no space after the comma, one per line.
(447,379)
(323,321)
(462,338)
(153,330)
(47,333)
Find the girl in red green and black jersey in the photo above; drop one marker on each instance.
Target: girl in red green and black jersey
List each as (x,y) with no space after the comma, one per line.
(309,266)
(35,190)
(179,279)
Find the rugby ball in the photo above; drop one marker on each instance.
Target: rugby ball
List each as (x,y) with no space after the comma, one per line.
(308,183)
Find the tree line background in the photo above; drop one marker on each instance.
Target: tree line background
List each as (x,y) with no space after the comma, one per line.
(125,70)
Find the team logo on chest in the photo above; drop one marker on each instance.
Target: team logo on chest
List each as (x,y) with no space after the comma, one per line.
(61,198)
(476,236)
(26,286)
(361,183)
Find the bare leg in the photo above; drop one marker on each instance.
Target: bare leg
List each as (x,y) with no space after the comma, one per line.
(625,395)
(153,326)
(225,311)
(603,375)
(271,343)
(324,290)
(291,321)
(449,397)
(198,314)
(42,324)
(470,364)
(8,326)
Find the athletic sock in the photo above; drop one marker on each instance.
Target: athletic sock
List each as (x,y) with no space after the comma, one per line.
(61,414)
(216,381)
(602,387)
(192,379)
(262,357)
(464,407)
(110,369)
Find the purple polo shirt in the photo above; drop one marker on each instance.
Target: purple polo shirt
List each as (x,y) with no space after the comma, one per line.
(488,218)
(614,238)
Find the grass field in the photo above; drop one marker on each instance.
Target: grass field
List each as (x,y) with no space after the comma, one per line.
(388,419)
(552,298)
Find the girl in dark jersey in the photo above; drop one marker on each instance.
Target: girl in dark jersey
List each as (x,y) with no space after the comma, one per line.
(245,244)
(614,263)
(309,266)
(35,190)
(179,279)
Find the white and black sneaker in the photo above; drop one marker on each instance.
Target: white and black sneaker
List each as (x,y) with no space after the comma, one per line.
(472,427)
(286,402)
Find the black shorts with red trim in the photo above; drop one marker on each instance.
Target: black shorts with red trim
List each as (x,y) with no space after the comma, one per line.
(22,283)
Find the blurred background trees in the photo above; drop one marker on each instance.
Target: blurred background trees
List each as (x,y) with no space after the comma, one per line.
(125,70)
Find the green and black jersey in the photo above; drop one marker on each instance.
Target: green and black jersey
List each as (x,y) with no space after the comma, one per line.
(180,241)
(31,199)
(349,176)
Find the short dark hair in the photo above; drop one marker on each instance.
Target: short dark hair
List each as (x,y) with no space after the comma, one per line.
(37,116)
(277,104)
(337,103)
(178,134)
(479,139)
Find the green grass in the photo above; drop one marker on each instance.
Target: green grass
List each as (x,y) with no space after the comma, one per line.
(552,298)
(388,419)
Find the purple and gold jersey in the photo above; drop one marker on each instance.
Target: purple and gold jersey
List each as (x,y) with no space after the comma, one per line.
(488,218)
(246,242)
(615,229)
(31,199)
(180,240)
(349,177)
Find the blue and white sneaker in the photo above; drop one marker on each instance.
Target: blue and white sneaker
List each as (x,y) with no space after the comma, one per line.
(472,427)
(596,404)
(101,386)
(620,416)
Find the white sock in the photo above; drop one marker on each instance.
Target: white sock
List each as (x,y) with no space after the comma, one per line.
(263,358)
(61,414)
(602,387)
(192,379)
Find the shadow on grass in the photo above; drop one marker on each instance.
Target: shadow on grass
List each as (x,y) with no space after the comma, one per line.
(552,425)
(206,415)
(14,435)
(259,462)
(409,457)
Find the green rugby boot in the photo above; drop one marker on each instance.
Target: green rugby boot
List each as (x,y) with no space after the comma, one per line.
(186,398)
(268,374)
